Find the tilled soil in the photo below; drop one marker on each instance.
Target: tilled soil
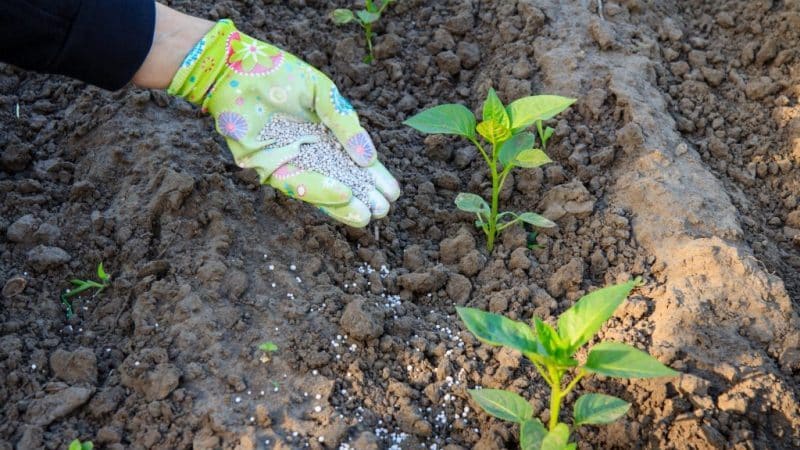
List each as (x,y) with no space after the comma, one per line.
(679,163)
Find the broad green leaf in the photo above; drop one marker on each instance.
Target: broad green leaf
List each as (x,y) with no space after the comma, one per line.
(514,146)
(87,446)
(531,434)
(494,329)
(557,438)
(75,445)
(268,347)
(368,17)
(525,111)
(613,359)
(493,109)
(594,409)
(471,203)
(578,324)
(101,273)
(549,338)
(536,220)
(444,119)
(493,131)
(572,446)
(531,158)
(503,404)
(342,16)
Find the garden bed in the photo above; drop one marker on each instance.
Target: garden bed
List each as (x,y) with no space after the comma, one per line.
(679,164)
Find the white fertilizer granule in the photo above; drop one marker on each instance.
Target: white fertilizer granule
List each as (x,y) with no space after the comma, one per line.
(326,156)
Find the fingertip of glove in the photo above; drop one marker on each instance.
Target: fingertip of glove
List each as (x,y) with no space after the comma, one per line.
(361,149)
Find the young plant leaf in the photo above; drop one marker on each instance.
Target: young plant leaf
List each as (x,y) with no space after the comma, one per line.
(268,347)
(531,434)
(75,445)
(557,438)
(445,119)
(596,409)
(536,220)
(526,111)
(101,273)
(87,446)
(493,131)
(531,158)
(493,109)
(580,322)
(549,338)
(514,146)
(494,329)
(614,359)
(471,203)
(368,17)
(342,16)
(503,404)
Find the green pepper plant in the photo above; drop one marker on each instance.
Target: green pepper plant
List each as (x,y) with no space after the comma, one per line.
(552,352)
(505,129)
(78,445)
(365,17)
(84,285)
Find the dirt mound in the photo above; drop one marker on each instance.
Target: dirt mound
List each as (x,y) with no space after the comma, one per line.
(679,159)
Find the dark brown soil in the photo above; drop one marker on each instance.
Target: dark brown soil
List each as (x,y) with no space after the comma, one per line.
(680,163)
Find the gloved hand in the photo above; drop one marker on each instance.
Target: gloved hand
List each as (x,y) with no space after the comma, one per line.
(244,82)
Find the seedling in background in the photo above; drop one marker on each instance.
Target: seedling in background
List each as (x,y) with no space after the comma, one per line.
(267,347)
(85,285)
(78,445)
(505,129)
(365,17)
(552,353)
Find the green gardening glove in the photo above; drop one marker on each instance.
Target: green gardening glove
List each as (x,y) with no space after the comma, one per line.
(244,83)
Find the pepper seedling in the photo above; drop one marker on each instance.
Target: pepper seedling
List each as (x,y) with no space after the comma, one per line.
(552,353)
(505,129)
(85,285)
(267,347)
(365,17)
(78,445)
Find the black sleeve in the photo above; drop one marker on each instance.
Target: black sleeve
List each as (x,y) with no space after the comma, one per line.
(102,42)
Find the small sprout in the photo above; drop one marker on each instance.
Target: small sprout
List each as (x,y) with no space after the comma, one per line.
(85,285)
(365,17)
(504,127)
(267,347)
(552,353)
(78,445)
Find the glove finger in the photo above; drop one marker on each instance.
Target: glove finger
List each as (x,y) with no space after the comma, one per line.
(311,187)
(338,115)
(267,160)
(384,181)
(378,204)
(355,214)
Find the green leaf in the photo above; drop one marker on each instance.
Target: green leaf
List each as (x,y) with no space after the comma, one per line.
(368,17)
(595,409)
(471,203)
(493,109)
(536,220)
(87,446)
(342,16)
(101,273)
(527,110)
(268,347)
(549,338)
(494,329)
(548,133)
(578,324)
(531,158)
(493,131)
(445,119)
(572,446)
(75,445)
(531,434)
(623,361)
(503,404)
(512,147)
(557,438)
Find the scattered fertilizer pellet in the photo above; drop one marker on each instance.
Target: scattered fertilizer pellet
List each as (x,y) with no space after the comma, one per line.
(271,267)
(33,366)
(238,399)
(327,156)
(317,408)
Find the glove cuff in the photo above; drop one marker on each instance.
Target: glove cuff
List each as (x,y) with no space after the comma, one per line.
(195,79)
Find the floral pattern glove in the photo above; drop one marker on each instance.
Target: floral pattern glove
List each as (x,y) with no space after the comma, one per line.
(244,82)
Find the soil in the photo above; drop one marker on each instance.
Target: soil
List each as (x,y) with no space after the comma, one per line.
(679,163)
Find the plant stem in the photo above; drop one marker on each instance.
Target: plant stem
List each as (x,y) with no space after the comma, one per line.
(555,404)
(368,35)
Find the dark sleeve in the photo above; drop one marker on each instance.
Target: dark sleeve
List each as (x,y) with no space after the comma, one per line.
(101,42)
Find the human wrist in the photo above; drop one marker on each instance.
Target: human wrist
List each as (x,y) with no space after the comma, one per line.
(174,36)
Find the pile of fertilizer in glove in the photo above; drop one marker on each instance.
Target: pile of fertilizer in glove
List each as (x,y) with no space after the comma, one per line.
(326,156)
